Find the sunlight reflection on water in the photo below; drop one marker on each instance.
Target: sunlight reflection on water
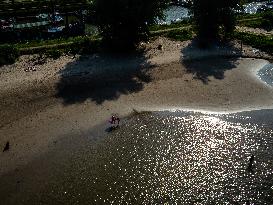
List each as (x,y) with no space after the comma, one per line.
(266,74)
(174,158)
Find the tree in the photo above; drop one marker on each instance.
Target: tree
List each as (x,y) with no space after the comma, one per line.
(212,15)
(124,23)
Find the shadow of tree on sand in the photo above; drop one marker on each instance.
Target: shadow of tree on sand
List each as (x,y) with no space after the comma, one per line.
(102,77)
(209,62)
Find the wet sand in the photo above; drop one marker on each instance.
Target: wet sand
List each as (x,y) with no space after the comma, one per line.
(55,107)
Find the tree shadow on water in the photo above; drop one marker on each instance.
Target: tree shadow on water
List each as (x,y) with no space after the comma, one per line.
(102,77)
(214,61)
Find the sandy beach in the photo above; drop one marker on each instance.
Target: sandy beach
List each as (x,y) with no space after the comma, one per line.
(71,95)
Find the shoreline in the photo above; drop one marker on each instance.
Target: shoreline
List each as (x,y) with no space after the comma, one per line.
(56,169)
(34,119)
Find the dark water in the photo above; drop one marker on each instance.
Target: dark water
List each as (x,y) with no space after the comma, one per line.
(169,158)
(266,74)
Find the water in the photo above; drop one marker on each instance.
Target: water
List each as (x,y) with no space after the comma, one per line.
(266,74)
(253,7)
(169,158)
(178,13)
(175,14)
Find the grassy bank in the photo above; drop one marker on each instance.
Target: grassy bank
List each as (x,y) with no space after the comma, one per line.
(89,44)
(183,34)
(176,25)
(264,43)
(52,48)
(263,20)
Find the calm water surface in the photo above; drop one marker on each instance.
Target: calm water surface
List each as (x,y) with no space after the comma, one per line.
(171,158)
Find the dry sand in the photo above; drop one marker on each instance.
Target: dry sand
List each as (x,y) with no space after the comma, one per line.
(70,96)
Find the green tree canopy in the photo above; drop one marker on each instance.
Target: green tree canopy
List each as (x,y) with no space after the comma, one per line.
(211,15)
(123,23)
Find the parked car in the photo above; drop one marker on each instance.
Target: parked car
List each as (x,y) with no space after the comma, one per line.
(42,16)
(57,17)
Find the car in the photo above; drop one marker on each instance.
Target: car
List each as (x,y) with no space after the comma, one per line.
(42,16)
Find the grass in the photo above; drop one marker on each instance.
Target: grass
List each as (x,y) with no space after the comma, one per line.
(262,20)
(253,23)
(38,43)
(177,33)
(58,41)
(180,31)
(170,26)
(250,20)
(264,43)
(180,35)
(248,16)
(56,48)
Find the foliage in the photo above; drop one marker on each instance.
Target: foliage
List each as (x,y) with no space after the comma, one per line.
(157,27)
(211,15)
(75,45)
(124,23)
(84,45)
(267,22)
(8,54)
(264,43)
(180,35)
(253,23)
(246,16)
(53,53)
(58,41)
(263,20)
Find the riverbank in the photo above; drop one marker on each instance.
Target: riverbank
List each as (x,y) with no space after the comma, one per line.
(41,103)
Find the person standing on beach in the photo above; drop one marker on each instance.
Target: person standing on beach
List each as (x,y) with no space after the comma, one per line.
(117,118)
(113,120)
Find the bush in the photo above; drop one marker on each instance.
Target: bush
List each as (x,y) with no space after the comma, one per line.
(8,54)
(54,53)
(180,35)
(267,22)
(84,45)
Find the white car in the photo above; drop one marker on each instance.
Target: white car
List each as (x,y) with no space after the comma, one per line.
(42,16)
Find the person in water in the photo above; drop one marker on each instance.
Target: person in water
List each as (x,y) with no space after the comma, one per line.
(250,164)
